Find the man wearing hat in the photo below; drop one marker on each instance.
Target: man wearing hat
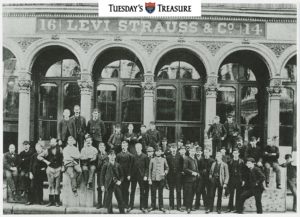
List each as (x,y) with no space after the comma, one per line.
(255,186)
(115,139)
(96,128)
(175,163)
(150,155)
(232,132)
(190,168)
(80,126)
(110,181)
(153,135)
(143,138)
(158,169)
(217,133)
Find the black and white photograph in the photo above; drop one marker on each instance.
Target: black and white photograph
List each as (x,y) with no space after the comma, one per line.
(149,115)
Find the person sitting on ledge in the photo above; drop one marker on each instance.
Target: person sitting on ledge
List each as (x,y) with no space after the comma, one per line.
(71,164)
(88,158)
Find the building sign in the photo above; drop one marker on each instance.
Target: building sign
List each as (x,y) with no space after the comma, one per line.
(151,27)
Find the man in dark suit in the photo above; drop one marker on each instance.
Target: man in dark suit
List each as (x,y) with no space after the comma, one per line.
(66,128)
(80,126)
(102,159)
(139,174)
(96,128)
(175,163)
(232,132)
(110,181)
(37,174)
(125,159)
(190,168)
(236,168)
(219,176)
(217,133)
(204,166)
(255,186)
(153,135)
(143,138)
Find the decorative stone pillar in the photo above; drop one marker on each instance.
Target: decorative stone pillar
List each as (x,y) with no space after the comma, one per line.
(86,89)
(24,84)
(149,88)
(211,88)
(274,91)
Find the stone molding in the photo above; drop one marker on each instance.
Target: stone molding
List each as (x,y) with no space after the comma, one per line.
(211,86)
(213,46)
(278,48)
(149,45)
(24,43)
(149,84)
(86,86)
(275,88)
(24,85)
(86,44)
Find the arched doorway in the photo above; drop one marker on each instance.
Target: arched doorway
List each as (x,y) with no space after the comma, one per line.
(117,76)
(10,99)
(243,78)
(180,76)
(288,105)
(55,73)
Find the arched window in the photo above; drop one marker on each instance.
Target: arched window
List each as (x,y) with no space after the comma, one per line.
(55,72)
(118,74)
(243,76)
(180,75)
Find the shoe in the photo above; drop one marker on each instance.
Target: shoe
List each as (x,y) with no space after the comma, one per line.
(151,209)
(278,187)
(219,211)
(188,211)
(162,209)
(193,209)
(51,200)
(99,206)
(143,210)
(129,209)
(229,210)
(207,211)
(28,203)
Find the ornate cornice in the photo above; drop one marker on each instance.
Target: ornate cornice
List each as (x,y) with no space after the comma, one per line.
(24,85)
(275,87)
(24,43)
(86,44)
(86,86)
(211,86)
(149,45)
(213,46)
(278,48)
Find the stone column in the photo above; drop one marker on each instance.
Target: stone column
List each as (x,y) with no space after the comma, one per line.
(86,89)
(274,91)
(211,88)
(24,109)
(149,88)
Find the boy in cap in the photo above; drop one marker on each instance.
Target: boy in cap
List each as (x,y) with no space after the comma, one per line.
(158,169)
(24,163)
(150,155)
(153,135)
(139,174)
(255,186)
(164,144)
(232,132)
(101,160)
(53,157)
(88,158)
(131,138)
(115,139)
(96,128)
(110,181)
(143,138)
(80,126)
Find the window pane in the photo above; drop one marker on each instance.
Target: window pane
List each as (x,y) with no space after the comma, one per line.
(233,71)
(226,102)
(191,133)
(287,117)
(178,70)
(191,96)
(249,112)
(167,131)
(131,103)
(71,96)
(122,68)
(64,68)
(289,73)
(166,103)
(48,101)
(10,86)
(106,101)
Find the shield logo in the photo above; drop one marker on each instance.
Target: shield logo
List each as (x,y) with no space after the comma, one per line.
(150,7)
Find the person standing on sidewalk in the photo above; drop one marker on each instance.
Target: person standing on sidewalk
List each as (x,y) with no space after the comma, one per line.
(102,159)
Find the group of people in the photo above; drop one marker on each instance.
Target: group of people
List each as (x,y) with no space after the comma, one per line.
(231,167)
